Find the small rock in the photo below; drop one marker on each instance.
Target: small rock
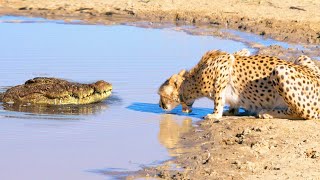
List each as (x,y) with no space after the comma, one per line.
(23,8)
(311,153)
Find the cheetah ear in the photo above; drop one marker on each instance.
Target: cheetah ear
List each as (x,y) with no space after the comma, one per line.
(173,78)
(176,80)
(182,72)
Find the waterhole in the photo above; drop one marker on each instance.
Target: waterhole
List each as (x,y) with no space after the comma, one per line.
(125,132)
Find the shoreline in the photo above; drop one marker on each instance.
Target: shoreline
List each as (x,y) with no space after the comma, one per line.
(296,22)
(290,53)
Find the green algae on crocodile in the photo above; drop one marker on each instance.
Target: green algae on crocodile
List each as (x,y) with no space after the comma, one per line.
(54,91)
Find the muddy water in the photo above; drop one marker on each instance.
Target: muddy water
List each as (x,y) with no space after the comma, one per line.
(122,133)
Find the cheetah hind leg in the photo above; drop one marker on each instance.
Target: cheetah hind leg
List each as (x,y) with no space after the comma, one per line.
(277,113)
(299,89)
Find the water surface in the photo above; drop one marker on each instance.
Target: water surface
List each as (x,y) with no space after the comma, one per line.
(124,132)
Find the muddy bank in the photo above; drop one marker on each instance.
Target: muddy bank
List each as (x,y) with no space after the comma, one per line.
(246,148)
(295,21)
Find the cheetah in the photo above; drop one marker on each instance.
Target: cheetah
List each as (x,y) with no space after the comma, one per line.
(265,86)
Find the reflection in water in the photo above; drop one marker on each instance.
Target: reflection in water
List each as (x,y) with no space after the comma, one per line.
(62,109)
(154,108)
(55,109)
(171,131)
(197,112)
(115,173)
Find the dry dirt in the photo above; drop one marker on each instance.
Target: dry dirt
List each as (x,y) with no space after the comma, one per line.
(285,20)
(236,147)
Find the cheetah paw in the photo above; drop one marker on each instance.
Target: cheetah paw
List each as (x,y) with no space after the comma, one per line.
(213,117)
(186,110)
(263,114)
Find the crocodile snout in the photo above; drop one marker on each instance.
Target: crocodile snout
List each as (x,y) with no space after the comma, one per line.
(102,86)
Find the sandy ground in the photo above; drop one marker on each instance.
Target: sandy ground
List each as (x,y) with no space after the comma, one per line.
(237,147)
(285,20)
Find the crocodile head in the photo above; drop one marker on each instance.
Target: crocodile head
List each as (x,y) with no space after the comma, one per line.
(55,91)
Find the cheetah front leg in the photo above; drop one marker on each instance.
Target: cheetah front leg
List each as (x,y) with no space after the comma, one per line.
(219,102)
(222,78)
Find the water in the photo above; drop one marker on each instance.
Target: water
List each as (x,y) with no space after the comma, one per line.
(122,133)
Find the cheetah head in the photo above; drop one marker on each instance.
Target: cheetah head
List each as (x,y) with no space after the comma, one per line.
(169,93)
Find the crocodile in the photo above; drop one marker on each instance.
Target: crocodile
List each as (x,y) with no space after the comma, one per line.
(54,91)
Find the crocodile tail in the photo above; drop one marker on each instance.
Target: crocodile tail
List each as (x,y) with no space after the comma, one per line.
(1,96)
